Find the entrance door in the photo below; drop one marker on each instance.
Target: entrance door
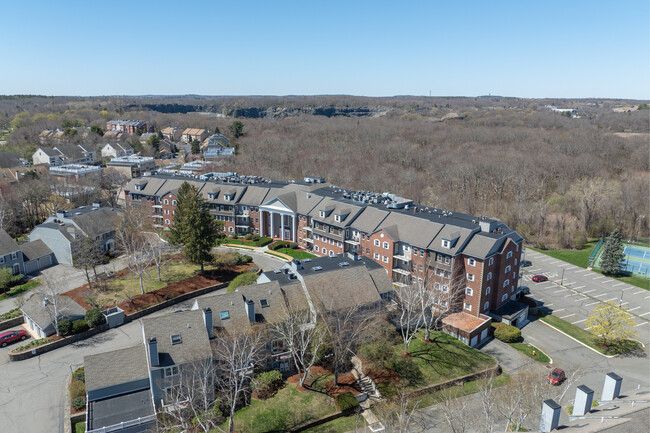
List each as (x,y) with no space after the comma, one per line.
(16,269)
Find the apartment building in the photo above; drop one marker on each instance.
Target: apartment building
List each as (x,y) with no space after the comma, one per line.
(473,260)
(130,126)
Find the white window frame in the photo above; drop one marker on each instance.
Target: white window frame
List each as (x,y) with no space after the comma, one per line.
(171,371)
(384,259)
(468,307)
(375,256)
(385,245)
(470,277)
(166,221)
(509,254)
(446,243)
(469,291)
(486,306)
(489,276)
(471,261)
(377,243)
(508,268)
(488,290)
(316,248)
(506,283)
(491,261)
(166,201)
(174,202)
(504,297)
(324,251)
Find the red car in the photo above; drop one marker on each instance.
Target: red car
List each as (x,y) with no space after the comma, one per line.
(11,336)
(540,278)
(556,376)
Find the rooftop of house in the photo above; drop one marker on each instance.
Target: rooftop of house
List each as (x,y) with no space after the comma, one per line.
(128,122)
(11,160)
(125,407)
(7,244)
(194,131)
(192,343)
(35,308)
(92,220)
(35,249)
(115,367)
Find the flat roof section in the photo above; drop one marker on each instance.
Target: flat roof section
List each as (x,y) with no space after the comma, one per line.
(123,408)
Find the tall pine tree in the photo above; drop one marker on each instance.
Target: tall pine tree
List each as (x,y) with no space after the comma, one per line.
(612,254)
(194,227)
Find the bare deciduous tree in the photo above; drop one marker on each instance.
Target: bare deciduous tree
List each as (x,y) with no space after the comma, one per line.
(134,244)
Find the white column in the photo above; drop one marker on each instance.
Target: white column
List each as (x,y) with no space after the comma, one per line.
(261,222)
(282,225)
(272,224)
(294,233)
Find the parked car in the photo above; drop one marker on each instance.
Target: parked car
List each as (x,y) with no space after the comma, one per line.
(11,336)
(540,278)
(525,290)
(526,263)
(556,376)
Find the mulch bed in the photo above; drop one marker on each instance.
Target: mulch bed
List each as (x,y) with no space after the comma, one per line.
(347,383)
(172,290)
(383,375)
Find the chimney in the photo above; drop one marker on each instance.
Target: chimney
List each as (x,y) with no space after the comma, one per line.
(353,256)
(154,360)
(207,319)
(250,310)
(296,265)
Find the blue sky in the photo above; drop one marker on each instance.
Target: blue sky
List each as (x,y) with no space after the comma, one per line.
(372,48)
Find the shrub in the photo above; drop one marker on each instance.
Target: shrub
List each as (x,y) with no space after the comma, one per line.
(266,384)
(79,326)
(406,368)
(94,317)
(293,245)
(77,389)
(507,333)
(79,403)
(378,353)
(347,403)
(233,236)
(256,238)
(245,279)
(65,326)
(248,236)
(79,374)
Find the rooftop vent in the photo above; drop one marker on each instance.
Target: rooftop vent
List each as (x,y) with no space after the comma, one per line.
(264,303)
(344,264)
(176,338)
(317,268)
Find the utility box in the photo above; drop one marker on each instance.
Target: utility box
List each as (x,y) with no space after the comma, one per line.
(583,400)
(550,416)
(612,387)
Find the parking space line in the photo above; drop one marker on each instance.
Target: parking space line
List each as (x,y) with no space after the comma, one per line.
(583,270)
(598,277)
(587,291)
(548,305)
(619,284)
(640,291)
(593,303)
(641,324)
(576,288)
(644,313)
(546,260)
(557,311)
(607,300)
(568,315)
(572,282)
(635,308)
(578,299)
(578,321)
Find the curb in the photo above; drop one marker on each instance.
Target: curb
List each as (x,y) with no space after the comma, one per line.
(577,341)
(67,427)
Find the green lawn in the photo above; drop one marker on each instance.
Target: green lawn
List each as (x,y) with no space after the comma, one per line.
(444,359)
(575,257)
(587,337)
(296,254)
(287,409)
(527,349)
(340,425)
(80,427)
(17,290)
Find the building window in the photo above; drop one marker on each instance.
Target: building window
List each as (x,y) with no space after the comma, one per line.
(384,259)
(487,290)
(166,201)
(446,243)
(435,285)
(174,202)
(471,262)
(325,251)
(509,254)
(166,211)
(230,229)
(421,253)
(14,255)
(375,256)
(515,262)
(486,306)
(386,245)
(468,307)
(415,251)
(316,248)
(489,276)
(376,242)
(514,275)
(491,261)
(440,272)
(339,244)
(171,371)
(224,315)
(166,221)
(445,288)
(470,277)
(469,291)
(420,268)
(438,257)
(506,283)
(508,268)
(504,297)
(447,259)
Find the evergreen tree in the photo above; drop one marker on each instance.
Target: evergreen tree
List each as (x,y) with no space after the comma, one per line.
(196,147)
(237,129)
(612,254)
(193,227)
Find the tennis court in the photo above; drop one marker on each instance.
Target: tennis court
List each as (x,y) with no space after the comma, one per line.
(636,260)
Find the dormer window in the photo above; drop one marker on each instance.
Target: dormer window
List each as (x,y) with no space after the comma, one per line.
(321,214)
(446,243)
(264,303)
(176,339)
(337,218)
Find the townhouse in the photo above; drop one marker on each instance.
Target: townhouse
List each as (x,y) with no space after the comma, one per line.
(130,126)
(172,133)
(472,260)
(191,134)
(115,150)
(65,154)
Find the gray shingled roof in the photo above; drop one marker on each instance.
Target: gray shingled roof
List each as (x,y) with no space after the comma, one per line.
(99,221)
(7,244)
(34,250)
(49,151)
(346,210)
(369,219)
(195,345)
(10,160)
(36,311)
(343,288)
(457,235)
(415,231)
(254,195)
(115,367)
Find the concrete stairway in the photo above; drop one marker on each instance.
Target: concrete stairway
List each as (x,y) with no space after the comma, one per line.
(370,395)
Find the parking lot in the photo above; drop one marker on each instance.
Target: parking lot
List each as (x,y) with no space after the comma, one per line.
(572,292)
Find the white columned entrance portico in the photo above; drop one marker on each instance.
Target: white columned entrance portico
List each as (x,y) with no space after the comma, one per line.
(281,219)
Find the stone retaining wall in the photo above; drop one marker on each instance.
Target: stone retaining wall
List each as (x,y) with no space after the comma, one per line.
(315,423)
(10,323)
(38,350)
(426,390)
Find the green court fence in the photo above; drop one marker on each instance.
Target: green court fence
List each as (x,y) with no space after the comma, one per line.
(594,253)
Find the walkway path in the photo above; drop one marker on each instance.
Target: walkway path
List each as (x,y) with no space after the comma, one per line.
(371,392)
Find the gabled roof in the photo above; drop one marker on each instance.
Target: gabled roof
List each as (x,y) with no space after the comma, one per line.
(344,288)
(194,131)
(369,219)
(99,221)
(7,244)
(49,151)
(115,367)
(36,311)
(332,208)
(194,346)
(71,151)
(34,250)
(412,230)
(10,160)
(254,195)
(457,236)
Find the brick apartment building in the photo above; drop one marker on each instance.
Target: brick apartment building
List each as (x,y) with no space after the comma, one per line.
(472,260)
(130,126)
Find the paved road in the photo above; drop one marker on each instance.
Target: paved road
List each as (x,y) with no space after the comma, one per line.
(572,292)
(32,391)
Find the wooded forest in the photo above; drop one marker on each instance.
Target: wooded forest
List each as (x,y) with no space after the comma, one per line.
(556,179)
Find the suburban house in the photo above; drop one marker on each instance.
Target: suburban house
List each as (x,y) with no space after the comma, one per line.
(144,138)
(65,154)
(14,175)
(130,126)
(172,133)
(65,231)
(191,134)
(11,255)
(76,171)
(114,135)
(37,256)
(132,166)
(474,260)
(11,160)
(115,150)
(39,313)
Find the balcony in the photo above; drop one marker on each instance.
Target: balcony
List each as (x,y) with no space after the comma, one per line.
(156,206)
(329,235)
(307,228)
(398,284)
(353,242)
(404,257)
(402,271)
